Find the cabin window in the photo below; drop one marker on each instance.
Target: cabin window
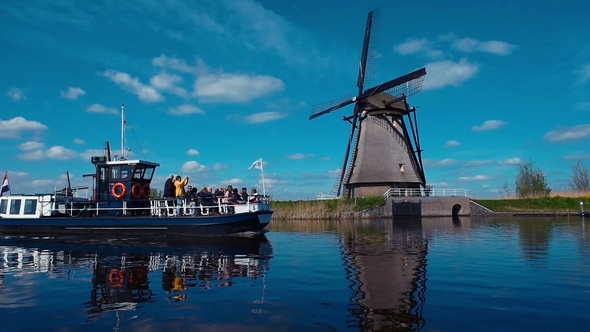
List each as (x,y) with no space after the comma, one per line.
(3,205)
(121,172)
(115,171)
(149,172)
(30,206)
(15,206)
(138,173)
(126,172)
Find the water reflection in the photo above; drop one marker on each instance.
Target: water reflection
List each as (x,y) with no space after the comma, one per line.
(386,263)
(389,271)
(121,268)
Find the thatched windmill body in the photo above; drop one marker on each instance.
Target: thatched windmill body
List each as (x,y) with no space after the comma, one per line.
(383,149)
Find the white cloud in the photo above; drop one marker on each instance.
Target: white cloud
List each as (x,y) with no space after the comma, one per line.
(511,161)
(79,141)
(192,167)
(133,85)
(577,157)
(13,127)
(447,72)
(192,152)
(413,46)
(452,143)
(185,109)
(565,134)
(55,152)
(60,153)
(583,74)
(16,94)
(445,162)
(31,155)
(101,109)
(493,46)
(478,162)
(298,156)
(174,63)
(167,82)
(72,93)
(265,117)
(489,125)
(235,88)
(28,146)
(474,178)
(219,166)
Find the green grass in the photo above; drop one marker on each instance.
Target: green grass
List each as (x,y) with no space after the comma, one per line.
(555,203)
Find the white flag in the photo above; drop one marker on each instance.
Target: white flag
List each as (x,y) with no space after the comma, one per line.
(257,164)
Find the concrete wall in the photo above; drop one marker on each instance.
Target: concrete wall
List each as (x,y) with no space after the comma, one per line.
(432,206)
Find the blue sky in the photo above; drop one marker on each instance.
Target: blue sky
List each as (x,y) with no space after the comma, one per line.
(211,86)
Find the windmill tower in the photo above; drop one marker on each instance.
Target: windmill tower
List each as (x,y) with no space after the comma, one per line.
(383,149)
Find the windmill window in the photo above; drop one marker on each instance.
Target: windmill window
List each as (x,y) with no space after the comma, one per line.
(401,168)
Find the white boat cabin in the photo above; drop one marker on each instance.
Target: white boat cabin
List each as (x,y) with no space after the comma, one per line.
(28,206)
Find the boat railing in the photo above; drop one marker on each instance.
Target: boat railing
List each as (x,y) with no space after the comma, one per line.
(168,206)
(46,205)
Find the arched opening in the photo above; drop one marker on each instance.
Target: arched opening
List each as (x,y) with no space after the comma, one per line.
(456,209)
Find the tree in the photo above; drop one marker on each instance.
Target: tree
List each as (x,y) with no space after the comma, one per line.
(580,180)
(531,181)
(155,193)
(506,190)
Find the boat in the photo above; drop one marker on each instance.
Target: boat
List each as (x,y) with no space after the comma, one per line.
(121,204)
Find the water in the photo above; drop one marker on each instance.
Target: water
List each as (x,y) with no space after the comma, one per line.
(413,275)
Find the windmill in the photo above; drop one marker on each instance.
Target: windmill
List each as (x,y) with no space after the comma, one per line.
(381,152)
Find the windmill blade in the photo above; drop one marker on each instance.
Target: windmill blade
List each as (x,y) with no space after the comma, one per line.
(372,52)
(369,53)
(347,154)
(330,106)
(414,84)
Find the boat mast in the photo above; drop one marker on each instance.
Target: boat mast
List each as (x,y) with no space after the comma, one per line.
(123,132)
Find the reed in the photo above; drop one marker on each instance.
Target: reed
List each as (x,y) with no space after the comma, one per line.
(323,209)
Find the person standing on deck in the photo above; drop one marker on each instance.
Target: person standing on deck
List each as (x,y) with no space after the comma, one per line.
(169,193)
(180,192)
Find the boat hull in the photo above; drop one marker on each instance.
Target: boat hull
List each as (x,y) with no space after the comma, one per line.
(140,225)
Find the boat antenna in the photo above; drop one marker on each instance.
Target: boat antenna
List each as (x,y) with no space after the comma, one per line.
(123,132)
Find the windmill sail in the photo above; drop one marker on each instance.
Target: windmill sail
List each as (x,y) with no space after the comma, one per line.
(381,152)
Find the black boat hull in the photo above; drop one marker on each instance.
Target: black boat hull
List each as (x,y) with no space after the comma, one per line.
(139,226)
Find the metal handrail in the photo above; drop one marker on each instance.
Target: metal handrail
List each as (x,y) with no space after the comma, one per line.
(414,192)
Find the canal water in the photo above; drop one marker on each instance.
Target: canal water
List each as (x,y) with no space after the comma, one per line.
(431,274)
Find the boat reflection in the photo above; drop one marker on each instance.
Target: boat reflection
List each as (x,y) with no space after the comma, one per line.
(388,270)
(123,271)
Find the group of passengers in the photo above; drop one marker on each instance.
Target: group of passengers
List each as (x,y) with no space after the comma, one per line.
(174,188)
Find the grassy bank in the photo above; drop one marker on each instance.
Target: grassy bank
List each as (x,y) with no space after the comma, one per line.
(323,209)
(544,204)
(345,207)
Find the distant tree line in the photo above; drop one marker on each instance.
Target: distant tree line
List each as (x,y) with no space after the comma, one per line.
(531,181)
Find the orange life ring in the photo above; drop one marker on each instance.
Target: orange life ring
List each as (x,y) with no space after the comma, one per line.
(145,191)
(116,278)
(116,187)
(136,191)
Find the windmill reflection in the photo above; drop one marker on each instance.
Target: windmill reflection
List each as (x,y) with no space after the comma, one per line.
(124,271)
(388,270)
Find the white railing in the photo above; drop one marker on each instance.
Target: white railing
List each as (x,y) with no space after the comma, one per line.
(167,206)
(407,192)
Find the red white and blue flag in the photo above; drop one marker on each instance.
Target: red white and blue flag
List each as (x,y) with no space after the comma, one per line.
(5,185)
